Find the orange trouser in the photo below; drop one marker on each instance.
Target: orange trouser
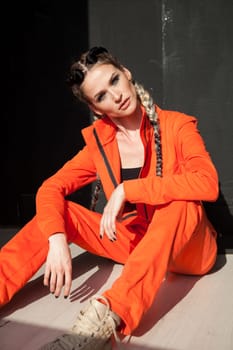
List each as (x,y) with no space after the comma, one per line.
(179,239)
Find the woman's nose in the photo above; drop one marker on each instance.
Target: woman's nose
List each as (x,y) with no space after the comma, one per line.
(117,95)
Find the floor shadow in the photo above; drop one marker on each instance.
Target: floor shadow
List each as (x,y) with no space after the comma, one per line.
(82,263)
(32,337)
(93,283)
(171,292)
(219,264)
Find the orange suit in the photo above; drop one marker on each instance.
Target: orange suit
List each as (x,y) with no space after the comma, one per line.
(168,231)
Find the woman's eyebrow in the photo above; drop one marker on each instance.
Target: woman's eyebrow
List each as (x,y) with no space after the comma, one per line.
(109,81)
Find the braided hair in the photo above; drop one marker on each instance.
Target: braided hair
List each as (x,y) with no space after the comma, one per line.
(75,79)
(148,103)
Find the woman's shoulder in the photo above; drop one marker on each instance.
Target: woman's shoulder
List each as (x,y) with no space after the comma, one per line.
(174,117)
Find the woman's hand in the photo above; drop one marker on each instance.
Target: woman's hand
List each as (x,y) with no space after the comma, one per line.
(111,212)
(58,268)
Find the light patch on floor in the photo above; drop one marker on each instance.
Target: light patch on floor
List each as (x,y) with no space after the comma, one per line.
(189,313)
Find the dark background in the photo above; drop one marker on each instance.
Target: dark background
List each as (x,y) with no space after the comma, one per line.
(181,50)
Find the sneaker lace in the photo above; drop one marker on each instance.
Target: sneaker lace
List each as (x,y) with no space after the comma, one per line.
(86,324)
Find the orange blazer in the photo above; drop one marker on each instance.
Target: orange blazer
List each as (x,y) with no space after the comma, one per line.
(188,171)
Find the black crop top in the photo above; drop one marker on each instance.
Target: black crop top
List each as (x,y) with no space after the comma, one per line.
(130,173)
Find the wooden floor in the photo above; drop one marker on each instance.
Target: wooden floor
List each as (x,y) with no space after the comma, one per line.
(189,313)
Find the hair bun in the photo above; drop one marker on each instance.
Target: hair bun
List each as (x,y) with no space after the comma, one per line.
(93,53)
(76,76)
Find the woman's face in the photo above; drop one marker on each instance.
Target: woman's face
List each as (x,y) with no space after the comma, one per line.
(110,91)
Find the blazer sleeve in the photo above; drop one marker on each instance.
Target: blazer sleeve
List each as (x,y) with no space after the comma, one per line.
(196,179)
(50,197)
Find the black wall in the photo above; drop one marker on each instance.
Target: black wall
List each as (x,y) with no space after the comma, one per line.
(41,122)
(182,50)
(198,79)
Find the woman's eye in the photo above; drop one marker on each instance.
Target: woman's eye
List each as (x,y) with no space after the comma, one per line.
(115,79)
(100,97)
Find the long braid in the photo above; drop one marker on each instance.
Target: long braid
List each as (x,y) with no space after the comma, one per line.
(149,106)
(148,103)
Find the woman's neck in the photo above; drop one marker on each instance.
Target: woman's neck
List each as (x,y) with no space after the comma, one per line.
(129,124)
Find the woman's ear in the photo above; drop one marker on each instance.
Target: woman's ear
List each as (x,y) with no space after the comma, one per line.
(94,110)
(127,73)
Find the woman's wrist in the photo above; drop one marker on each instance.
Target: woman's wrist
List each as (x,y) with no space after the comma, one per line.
(56,236)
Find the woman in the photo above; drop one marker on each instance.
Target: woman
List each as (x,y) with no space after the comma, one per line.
(155,172)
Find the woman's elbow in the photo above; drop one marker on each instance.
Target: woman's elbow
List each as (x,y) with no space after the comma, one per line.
(213,189)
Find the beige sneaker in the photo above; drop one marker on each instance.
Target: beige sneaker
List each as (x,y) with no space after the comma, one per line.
(93,329)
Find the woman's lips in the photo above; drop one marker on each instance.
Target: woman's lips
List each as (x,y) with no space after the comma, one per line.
(125,104)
